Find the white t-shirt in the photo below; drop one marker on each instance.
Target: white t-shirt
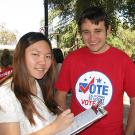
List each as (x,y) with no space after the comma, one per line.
(11,110)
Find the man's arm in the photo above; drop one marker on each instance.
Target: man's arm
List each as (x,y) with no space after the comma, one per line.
(60,98)
(130,128)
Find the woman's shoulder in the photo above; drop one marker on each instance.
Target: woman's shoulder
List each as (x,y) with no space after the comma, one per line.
(6,94)
(8,104)
(5,87)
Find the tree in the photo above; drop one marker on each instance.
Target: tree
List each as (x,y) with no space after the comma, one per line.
(128,13)
(121,12)
(6,36)
(125,40)
(114,8)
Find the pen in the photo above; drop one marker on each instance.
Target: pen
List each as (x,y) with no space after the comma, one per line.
(60,108)
(96,106)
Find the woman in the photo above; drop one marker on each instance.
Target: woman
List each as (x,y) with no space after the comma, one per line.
(25,108)
(6,69)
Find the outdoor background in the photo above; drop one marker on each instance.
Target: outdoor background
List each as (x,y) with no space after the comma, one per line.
(19,17)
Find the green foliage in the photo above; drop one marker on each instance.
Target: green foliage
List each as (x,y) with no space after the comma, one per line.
(73,8)
(52,14)
(121,12)
(6,36)
(125,40)
(116,42)
(67,37)
(127,11)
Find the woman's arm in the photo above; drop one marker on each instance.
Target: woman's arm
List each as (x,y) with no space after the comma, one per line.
(11,128)
(61,123)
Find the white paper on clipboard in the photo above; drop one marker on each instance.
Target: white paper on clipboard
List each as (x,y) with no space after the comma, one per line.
(83,120)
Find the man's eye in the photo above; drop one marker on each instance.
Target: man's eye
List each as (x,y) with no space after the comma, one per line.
(85,32)
(98,31)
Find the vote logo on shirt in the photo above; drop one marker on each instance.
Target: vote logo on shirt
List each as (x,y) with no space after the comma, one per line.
(92,87)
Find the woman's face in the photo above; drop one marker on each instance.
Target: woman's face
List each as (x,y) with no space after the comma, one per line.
(38,59)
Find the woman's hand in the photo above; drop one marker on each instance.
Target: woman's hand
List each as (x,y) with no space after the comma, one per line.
(63,120)
(60,123)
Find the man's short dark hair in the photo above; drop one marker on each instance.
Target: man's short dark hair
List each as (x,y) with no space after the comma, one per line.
(95,15)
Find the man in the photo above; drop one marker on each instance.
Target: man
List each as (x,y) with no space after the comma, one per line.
(98,72)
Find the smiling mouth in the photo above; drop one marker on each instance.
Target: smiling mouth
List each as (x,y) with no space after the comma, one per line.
(40,69)
(93,43)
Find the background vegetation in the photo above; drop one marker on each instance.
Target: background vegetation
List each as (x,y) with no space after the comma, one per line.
(7,37)
(63,16)
(122,18)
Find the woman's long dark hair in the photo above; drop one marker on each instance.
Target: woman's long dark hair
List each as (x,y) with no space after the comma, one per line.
(20,82)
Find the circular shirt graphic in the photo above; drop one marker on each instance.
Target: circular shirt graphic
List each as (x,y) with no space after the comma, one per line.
(93,87)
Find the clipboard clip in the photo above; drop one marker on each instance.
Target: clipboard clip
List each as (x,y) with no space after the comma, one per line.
(95,107)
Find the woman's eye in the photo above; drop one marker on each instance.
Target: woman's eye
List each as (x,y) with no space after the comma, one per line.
(35,54)
(49,56)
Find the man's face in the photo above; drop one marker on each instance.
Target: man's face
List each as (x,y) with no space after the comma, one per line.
(94,36)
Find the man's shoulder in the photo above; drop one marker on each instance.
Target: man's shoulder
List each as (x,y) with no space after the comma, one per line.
(77,51)
(118,51)
(119,55)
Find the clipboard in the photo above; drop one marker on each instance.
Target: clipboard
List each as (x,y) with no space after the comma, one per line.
(84,119)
